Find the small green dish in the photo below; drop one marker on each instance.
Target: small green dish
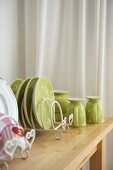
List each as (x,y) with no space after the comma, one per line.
(28,97)
(19,96)
(15,85)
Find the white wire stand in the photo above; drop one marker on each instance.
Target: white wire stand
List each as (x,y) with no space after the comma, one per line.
(57,127)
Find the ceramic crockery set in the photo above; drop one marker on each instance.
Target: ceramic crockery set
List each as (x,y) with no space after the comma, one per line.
(35,97)
(36,104)
(29,94)
(91,113)
(13,140)
(36,101)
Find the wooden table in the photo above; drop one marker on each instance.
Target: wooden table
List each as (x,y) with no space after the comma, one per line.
(71,153)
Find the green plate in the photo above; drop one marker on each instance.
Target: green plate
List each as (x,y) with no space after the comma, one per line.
(23,121)
(33,119)
(19,96)
(28,98)
(43,90)
(15,85)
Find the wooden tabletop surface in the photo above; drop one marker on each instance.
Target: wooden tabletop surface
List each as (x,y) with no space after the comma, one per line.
(47,153)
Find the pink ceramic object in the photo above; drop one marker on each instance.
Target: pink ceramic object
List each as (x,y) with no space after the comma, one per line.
(13,140)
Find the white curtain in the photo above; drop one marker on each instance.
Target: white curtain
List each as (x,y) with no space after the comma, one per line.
(66,40)
(11,55)
(70,41)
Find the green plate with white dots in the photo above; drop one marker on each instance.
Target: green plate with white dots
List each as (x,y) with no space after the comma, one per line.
(43,90)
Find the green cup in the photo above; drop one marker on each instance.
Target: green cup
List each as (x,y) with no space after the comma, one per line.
(77,108)
(62,98)
(94,110)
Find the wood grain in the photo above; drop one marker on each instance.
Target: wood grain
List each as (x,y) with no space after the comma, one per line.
(97,161)
(70,153)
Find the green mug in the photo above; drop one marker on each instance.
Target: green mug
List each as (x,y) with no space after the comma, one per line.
(94,110)
(62,98)
(77,108)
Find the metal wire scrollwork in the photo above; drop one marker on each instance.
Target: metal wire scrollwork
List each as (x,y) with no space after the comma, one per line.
(57,127)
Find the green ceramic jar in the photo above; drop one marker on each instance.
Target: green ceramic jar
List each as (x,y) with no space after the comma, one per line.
(62,98)
(77,107)
(94,110)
